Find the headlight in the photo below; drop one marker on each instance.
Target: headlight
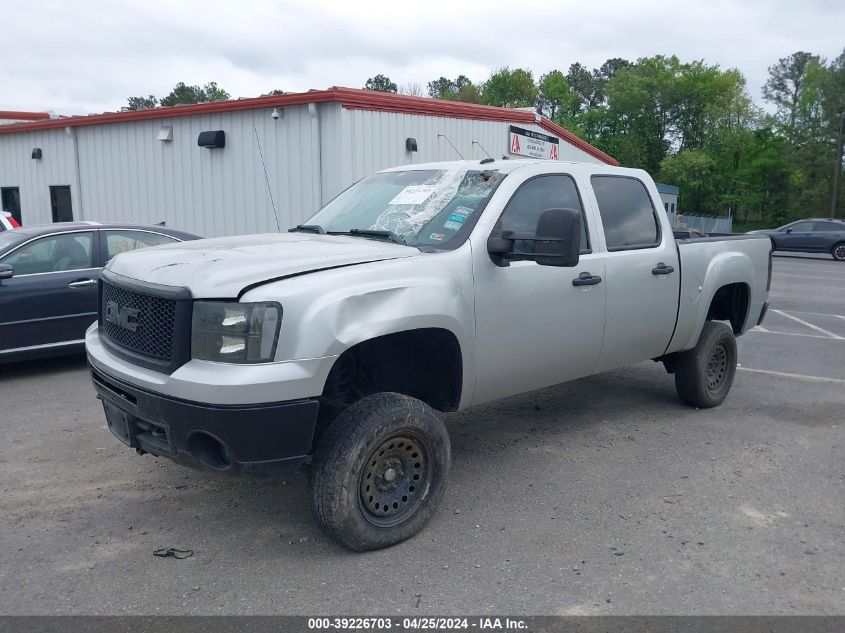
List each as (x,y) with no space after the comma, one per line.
(231,332)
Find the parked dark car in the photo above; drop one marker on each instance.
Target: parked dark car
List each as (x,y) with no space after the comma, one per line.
(815,235)
(48,281)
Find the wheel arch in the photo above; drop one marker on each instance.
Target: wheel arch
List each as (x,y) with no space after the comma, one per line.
(731,303)
(425,363)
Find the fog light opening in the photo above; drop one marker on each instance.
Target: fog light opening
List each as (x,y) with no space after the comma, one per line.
(209,450)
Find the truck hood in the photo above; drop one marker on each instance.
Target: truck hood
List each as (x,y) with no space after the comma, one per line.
(223,267)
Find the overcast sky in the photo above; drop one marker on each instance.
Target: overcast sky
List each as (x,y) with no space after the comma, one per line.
(79,57)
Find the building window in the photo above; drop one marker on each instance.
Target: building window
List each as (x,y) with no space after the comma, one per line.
(60,204)
(673,207)
(11,202)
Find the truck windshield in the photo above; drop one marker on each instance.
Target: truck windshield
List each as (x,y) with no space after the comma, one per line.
(434,208)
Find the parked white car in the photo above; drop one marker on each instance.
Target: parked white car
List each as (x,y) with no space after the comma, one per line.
(420,289)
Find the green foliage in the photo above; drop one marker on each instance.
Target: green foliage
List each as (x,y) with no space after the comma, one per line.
(461,89)
(555,99)
(183,93)
(141,103)
(510,89)
(380,83)
(785,85)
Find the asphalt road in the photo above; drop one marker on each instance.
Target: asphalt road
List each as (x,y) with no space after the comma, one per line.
(602,496)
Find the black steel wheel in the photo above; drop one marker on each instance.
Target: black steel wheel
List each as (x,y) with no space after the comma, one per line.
(379,471)
(395,478)
(717,367)
(704,375)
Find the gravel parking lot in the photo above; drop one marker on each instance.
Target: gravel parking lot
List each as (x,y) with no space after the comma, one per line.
(602,496)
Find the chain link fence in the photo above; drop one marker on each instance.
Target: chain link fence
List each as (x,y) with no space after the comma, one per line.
(704,223)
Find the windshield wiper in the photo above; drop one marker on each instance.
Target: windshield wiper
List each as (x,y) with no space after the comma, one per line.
(308,228)
(390,235)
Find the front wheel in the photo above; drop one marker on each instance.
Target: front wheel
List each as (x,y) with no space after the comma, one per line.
(380,471)
(838,252)
(704,374)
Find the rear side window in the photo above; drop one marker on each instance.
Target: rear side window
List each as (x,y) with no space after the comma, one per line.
(555,191)
(127,240)
(829,226)
(626,213)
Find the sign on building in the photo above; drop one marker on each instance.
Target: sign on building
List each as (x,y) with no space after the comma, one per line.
(534,144)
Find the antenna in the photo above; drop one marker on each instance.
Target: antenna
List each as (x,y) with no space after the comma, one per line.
(266,178)
(450,144)
(482,148)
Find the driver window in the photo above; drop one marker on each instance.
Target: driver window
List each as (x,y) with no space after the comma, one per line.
(553,191)
(801,227)
(56,253)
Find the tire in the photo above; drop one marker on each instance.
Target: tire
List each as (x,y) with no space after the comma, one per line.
(704,374)
(838,252)
(380,471)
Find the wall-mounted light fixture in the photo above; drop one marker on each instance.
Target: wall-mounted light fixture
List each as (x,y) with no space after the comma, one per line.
(165,133)
(410,144)
(277,114)
(36,153)
(212,139)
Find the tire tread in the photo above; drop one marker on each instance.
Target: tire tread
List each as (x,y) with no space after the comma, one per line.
(691,367)
(331,465)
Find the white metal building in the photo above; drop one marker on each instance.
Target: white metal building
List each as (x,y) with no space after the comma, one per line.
(291,152)
(669,197)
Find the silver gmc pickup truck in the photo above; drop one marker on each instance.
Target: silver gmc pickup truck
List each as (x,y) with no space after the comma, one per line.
(421,289)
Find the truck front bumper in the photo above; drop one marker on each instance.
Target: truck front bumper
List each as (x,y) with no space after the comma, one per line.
(219,437)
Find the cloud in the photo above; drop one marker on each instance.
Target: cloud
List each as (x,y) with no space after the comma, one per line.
(78,57)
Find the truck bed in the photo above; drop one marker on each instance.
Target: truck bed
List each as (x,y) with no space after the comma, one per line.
(706,262)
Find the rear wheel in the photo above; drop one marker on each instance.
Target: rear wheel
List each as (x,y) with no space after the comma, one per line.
(380,471)
(704,375)
(838,252)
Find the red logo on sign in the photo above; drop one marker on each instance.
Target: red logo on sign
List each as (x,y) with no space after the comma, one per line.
(515,149)
(553,155)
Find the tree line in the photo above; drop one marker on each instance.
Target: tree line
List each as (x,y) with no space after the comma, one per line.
(694,125)
(689,124)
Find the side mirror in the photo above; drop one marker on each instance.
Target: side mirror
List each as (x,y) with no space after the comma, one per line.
(556,242)
(789,230)
(6,271)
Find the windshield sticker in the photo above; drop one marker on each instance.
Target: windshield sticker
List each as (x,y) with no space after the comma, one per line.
(457,217)
(413,194)
(452,226)
(437,237)
(464,211)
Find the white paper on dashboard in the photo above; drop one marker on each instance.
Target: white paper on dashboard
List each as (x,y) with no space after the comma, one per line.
(413,194)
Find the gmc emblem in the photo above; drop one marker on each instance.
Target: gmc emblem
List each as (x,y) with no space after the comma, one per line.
(124,316)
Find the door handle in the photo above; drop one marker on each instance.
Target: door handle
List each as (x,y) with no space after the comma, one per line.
(662,269)
(586,279)
(82,283)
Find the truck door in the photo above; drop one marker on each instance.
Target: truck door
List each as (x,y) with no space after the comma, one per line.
(642,273)
(533,327)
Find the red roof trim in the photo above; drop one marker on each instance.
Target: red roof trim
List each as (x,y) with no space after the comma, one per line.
(13,115)
(350,98)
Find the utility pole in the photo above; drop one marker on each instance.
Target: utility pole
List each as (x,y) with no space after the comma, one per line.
(837,168)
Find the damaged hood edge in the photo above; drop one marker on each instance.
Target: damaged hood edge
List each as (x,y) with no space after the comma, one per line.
(228,267)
